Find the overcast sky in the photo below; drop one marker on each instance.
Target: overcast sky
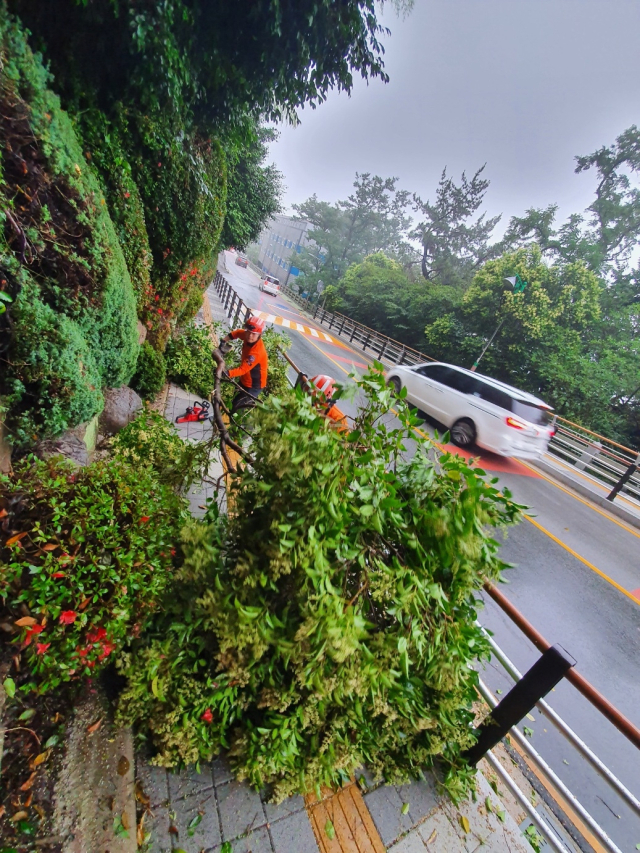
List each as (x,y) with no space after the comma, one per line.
(523,85)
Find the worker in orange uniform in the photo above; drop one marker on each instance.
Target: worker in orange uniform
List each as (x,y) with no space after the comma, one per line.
(322,388)
(254,364)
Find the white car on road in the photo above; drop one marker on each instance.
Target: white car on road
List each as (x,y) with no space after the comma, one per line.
(477,409)
(271,285)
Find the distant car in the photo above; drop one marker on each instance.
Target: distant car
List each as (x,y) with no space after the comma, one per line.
(270,285)
(242,260)
(477,409)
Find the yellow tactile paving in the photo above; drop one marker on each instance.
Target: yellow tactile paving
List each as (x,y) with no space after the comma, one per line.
(353,827)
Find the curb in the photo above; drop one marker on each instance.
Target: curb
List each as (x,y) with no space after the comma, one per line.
(585,492)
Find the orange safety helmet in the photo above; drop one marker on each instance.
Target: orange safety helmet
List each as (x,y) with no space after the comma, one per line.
(326,385)
(254,324)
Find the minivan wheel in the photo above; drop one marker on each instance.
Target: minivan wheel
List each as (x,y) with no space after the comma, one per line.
(463,433)
(395,384)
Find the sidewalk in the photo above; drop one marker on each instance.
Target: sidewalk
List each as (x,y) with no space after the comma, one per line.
(206,809)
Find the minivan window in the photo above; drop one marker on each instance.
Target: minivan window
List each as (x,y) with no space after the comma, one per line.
(439,372)
(496,396)
(462,382)
(530,412)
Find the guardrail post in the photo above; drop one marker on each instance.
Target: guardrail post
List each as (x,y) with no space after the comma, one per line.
(235,319)
(383,347)
(588,455)
(247,313)
(543,676)
(402,355)
(366,341)
(353,331)
(233,302)
(628,474)
(344,320)
(333,317)
(317,307)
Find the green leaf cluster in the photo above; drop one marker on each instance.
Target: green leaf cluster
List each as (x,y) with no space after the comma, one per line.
(95,554)
(330,619)
(151,372)
(73,316)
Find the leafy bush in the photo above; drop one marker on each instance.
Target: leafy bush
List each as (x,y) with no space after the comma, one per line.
(151,441)
(151,372)
(86,553)
(331,620)
(74,320)
(189,361)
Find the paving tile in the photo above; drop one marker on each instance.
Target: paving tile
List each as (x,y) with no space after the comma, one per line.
(188,782)
(257,841)
(439,835)
(411,843)
(385,806)
(207,833)
(293,834)
(153,781)
(157,823)
(277,811)
(240,809)
(370,781)
(221,771)
(421,796)
(486,830)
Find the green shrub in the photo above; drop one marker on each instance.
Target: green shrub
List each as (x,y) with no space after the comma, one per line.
(74,325)
(189,361)
(151,441)
(151,372)
(86,553)
(331,620)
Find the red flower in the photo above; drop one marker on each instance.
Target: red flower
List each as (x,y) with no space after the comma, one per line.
(41,648)
(159,310)
(126,195)
(107,648)
(183,277)
(173,552)
(68,617)
(58,575)
(83,652)
(159,165)
(144,519)
(97,635)
(207,716)
(37,629)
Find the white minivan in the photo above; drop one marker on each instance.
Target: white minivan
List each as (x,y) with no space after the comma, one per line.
(477,409)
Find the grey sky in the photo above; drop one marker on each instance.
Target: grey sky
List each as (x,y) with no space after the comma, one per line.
(523,85)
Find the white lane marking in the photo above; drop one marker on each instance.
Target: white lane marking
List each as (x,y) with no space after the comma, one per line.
(299,327)
(327,337)
(314,333)
(286,323)
(270,318)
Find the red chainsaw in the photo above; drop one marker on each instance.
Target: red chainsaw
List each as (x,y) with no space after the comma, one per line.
(198,412)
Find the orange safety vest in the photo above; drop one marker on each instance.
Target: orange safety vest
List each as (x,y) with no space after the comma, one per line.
(254,363)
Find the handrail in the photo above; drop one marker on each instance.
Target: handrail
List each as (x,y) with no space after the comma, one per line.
(597,435)
(625,726)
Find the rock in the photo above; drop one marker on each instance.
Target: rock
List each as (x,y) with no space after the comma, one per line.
(142,333)
(68,445)
(121,405)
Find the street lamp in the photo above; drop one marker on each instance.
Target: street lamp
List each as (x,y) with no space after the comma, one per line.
(518,287)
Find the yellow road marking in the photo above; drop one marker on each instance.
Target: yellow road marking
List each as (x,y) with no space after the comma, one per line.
(582,500)
(582,560)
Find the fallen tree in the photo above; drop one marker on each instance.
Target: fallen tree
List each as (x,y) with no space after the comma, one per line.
(330,620)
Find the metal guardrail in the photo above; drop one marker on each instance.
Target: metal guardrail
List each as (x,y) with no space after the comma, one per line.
(529,689)
(508,711)
(611,463)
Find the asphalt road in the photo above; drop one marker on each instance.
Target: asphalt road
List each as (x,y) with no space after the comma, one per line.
(568,601)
